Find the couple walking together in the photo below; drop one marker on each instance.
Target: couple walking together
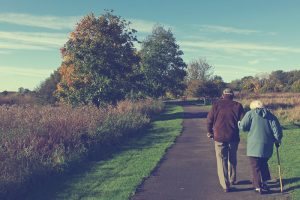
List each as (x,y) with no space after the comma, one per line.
(224,121)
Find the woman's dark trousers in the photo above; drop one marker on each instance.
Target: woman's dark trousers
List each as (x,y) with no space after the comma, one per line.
(260,170)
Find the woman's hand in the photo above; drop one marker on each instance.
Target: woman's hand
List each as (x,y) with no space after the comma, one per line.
(210,135)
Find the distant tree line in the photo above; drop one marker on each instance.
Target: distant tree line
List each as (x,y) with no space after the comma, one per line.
(276,81)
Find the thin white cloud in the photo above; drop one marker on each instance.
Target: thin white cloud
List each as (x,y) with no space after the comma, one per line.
(262,59)
(16,46)
(242,46)
(237,68)
(65,22)
(231,72)
(253,62)
(227,29)
(145,26)
(30,72)
(50,22)
(190,49)
(35,38)
(142,26)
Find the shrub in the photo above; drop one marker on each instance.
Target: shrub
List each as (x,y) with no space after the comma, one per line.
(296,86)
(38,140)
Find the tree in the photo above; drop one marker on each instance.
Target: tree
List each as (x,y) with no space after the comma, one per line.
(23,91)
(99,61)
(279,77)
(250,84)
(236,84)
(199,70)
(161,63)
(201,82)
(293,76)
(5,93)
(208,89)
(296,86)
(219,83)
(192,87)
(48,87)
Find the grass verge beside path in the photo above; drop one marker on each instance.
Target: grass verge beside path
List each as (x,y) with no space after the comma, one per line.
(290,161)
(118,177)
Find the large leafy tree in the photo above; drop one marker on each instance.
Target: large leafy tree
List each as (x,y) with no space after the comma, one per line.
(210,88)
(162,65)
(99,61)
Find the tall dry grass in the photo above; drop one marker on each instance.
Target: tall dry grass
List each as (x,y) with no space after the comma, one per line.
(286,106)
(37,140)
(13,98)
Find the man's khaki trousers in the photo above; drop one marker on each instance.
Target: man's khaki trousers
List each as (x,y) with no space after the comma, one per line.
(226,154)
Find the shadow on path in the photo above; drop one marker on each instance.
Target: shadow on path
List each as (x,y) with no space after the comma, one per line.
(185,103)
(189,168)
(185,115)
(290,181)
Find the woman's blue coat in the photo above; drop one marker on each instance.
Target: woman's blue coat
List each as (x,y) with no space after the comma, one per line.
(264,129)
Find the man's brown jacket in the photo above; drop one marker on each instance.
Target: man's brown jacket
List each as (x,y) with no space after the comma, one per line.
(222,120)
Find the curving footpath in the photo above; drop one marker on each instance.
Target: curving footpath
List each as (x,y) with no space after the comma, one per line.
(188,170)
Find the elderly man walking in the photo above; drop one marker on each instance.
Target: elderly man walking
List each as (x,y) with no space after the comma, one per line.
(222,126)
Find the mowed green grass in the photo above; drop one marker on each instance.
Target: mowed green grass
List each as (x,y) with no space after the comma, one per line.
(118,177)
(289,153)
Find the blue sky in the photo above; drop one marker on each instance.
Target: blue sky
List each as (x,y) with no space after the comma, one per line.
(238,38)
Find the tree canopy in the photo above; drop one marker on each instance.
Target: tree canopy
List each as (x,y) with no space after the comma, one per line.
(162,64)
(99,61)
(201,82)
(200,70)
(46,89)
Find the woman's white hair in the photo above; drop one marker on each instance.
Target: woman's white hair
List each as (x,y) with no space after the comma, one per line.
(256,104)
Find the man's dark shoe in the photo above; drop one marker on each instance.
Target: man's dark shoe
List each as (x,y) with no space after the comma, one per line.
(227,190)
(234,183)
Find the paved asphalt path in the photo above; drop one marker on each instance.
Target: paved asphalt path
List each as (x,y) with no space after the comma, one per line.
(188,170)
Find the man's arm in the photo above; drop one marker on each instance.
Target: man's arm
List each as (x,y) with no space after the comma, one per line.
(245,123)
(241,112)
(210,121)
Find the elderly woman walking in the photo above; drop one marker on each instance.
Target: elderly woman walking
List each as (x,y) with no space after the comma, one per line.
(264,130)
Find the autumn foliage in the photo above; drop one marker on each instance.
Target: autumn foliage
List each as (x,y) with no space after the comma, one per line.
(99,62)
